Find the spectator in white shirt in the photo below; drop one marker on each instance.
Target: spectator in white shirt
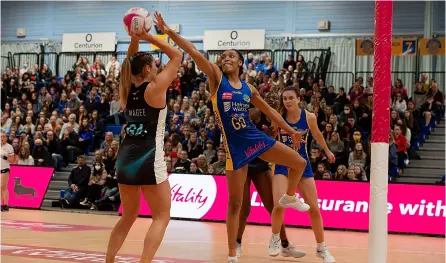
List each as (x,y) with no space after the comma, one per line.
(25,157)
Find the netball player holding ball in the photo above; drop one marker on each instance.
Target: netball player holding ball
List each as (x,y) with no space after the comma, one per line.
(298,119)
(140,164)
(243,142)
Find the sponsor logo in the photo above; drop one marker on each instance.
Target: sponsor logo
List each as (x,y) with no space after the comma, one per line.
(46,227)
(71,255)
(192,195)
(227,106)
(239,106)
(227,96)
(237,92)
(253,149)
(246,98)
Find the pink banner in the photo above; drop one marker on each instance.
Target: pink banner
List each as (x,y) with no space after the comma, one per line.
(344,205)
(27,185)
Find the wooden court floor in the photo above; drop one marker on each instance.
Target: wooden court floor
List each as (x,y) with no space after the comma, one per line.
(48,236)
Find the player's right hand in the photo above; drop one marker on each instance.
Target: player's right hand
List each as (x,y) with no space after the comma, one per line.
(297,137)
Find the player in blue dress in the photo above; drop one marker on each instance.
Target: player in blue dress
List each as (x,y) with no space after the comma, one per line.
(231,98)
(299,119)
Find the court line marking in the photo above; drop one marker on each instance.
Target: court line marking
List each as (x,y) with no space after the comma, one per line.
(311,246)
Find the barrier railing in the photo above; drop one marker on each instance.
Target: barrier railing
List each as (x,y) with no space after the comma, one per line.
(50,59)
(439,76)
(335,78)
(5,63)
(281,55)
(19,58)
(408,78)
(212,54)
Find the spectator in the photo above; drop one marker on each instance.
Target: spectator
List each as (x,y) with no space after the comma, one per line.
(85,137)
(183,163)
(399,104)
(40,154)
(24,156)
(341,173)
(108,141)
(78,183)
(401,143)
(54,149)
(97,180)
(69,144)
(219,166)
(357,156)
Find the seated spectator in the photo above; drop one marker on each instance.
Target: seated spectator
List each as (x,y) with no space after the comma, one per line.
(110,160)
(110,190)
(401,143)
(359,172)
(78,183)
(326,175)
(399,88)
(399,104)
(202,164)
(97,180)
(194,168)
(69,143)
(72,122)
(24,156)
(183,163)
(54,148)
(419,94)
(393,157)
(85,136)
(319,173)
(341,173)
(219,166)
(40,154)
(351,176)
(108,141)
(358,156)
(316,158)
(209,153)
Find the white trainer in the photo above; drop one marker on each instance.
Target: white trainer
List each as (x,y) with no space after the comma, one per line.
(238,249)
(292,251)
(232,260)
(295,203)
(274,246)
(326,256)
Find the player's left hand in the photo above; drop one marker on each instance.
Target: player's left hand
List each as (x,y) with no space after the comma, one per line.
(331,157)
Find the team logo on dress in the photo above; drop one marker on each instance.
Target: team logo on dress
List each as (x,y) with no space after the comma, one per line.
(246,98)
(226,105)
(227,96)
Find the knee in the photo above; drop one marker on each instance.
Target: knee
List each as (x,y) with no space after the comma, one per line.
(299,163)
(234,205)
(130,216)
(162,218)
(4,187)
(278,209)
(314,209)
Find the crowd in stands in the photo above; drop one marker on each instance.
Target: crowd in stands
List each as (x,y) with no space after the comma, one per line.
(55,121)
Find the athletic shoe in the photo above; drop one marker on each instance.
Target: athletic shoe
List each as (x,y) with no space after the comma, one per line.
(238,249)
(295,203)
(326,256)
(292,251)
(232,260)
(5,208)
(274,247)
(84,203)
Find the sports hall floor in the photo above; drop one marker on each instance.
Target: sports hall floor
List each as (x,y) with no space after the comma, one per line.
(50,236)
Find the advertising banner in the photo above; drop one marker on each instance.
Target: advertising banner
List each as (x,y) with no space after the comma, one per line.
(27,185)
(234,39)
(404,47)
(400,47)
(432,46)
(165,38)
(344,205)
(89,42)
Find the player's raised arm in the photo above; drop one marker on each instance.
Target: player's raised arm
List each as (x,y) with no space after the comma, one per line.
(210,69)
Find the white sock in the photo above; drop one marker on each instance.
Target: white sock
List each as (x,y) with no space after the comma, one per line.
(321,246)
(276,236)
